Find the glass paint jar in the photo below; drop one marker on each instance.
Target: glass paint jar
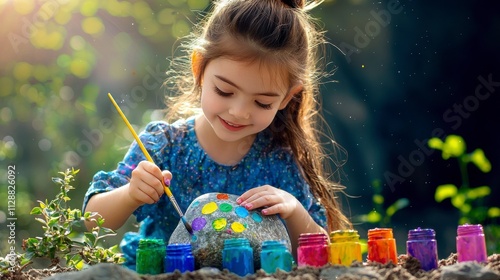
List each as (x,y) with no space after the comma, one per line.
(275,255)
(344,247)
(237,256)
(422,245)
(180,257)
(149,256)
(381,246)
(471,244)
(312,249)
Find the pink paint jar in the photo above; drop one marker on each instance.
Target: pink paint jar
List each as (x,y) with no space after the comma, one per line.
(312,250)
(471,244)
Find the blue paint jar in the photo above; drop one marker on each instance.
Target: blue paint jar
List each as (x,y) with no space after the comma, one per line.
(179,257)
(422,245)
(237,256)
(275,255)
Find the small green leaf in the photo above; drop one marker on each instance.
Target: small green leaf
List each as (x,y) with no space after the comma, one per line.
(479,159)
(454,146)
(478,192)
(435,143)
(373,217)
(378,199)
(494,212)
(458,200)
(396,206)
(445,191)
(36,211)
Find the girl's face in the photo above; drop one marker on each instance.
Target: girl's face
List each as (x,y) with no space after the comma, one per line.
(240,99)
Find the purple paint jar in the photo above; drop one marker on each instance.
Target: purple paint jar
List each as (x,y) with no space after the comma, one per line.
(312,250)
(471,245)
(422,245)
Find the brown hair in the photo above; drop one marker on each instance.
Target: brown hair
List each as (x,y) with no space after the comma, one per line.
(278,34)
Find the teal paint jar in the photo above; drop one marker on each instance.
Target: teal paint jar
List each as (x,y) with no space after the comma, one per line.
(237,256)
(275,255)
(149,256)
(179,257)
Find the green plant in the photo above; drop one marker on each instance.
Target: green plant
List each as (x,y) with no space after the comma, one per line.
(468,200)
(59,222)
(379,215)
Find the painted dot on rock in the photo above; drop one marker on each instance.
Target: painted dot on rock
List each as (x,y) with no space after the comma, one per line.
(194,238)
(241,211)
(222,196)
(198,223)
(219,224)
(225,207)
(238,227)
(209,208)
(196,203)
(256,217)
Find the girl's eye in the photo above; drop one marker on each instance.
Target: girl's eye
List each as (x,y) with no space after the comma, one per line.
(263,106)
(221,93)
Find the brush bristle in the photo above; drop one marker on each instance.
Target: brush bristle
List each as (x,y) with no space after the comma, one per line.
(187,225)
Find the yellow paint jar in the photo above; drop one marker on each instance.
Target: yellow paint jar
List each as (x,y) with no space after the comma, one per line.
(344,247)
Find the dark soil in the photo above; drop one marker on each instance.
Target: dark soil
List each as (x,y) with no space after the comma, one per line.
(407,268)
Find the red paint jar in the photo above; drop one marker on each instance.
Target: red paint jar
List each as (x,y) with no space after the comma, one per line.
(381,246)
(312,250)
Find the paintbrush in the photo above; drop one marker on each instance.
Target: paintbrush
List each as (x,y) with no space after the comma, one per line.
(146,154)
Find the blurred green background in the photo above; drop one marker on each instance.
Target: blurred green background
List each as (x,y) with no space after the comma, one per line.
(404,72)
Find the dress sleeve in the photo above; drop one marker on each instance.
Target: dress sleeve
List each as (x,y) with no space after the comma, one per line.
(154,139)
(292,180)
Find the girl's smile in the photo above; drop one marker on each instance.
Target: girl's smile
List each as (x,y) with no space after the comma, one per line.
(231,126)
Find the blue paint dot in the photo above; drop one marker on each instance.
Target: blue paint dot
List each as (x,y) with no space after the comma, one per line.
(241,212)
(256,217)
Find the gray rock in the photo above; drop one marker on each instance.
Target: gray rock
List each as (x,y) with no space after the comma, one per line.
(335,272)
(101,271)
(216,217)
(468,271)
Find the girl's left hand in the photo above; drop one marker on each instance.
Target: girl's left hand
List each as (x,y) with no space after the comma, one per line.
(275,200)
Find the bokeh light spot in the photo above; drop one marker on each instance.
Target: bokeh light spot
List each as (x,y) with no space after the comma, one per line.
(141,10)
(24,7)
(197,4)
(180,29)
(66,93)
(44,145)
(166,16)
(22,71)
(6,114)
(89,8)
(6,86)
(77,43)
(41,73)
(80,68)
(92,26)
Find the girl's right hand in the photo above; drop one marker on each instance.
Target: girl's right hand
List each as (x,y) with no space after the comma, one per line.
(146,183)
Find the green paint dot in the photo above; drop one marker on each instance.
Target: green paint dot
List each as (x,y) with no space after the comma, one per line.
(225,207)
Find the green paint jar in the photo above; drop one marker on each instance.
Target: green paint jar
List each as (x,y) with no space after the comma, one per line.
(150,256)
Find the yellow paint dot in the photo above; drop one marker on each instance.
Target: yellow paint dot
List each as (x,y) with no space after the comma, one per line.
(209,208)
(219,224)
(362,66)
(238,227)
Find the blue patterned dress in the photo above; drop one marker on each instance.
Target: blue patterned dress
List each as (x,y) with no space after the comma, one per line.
(175,147)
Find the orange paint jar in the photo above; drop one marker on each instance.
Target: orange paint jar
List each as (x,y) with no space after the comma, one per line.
(381,246)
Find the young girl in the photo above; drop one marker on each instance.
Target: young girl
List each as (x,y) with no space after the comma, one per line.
(253,74)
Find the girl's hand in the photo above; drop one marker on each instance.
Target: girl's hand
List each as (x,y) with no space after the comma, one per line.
(146,183)
(275,200)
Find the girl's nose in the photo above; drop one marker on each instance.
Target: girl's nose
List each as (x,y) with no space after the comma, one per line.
(239,110)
